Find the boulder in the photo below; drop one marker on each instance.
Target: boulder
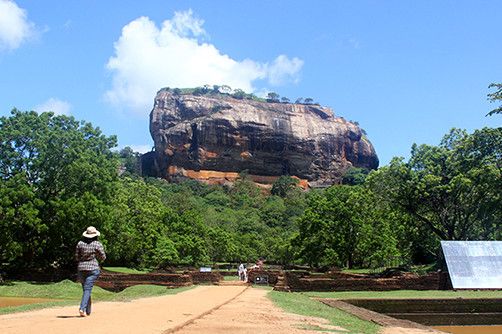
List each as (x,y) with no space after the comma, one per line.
(214,137)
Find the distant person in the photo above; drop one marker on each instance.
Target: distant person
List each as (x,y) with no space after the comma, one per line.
(245,274)
(258,265)
(242,272)
(88,251)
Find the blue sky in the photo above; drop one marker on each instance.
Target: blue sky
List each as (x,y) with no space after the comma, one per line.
(407,71)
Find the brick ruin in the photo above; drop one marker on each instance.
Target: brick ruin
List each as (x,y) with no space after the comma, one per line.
(284,280)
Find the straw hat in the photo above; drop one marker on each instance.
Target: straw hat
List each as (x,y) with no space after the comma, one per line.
(91,232)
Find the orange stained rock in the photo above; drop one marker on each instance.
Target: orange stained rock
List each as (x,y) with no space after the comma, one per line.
(246,155)
(216,177)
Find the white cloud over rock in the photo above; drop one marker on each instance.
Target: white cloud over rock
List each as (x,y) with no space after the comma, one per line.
(141,148)
(148,58)
(14,25)
(57,106)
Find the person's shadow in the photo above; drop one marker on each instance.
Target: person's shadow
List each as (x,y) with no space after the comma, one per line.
(68,316)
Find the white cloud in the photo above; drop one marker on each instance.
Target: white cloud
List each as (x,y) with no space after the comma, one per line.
(136,148)
(57,106)
(141,148)
(148,58)
(14,25)
(284,69)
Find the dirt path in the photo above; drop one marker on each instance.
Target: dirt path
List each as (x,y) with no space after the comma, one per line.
(204,309)
(148,315)
(252,312)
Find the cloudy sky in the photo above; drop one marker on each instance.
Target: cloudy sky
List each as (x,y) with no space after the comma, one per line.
(406,71)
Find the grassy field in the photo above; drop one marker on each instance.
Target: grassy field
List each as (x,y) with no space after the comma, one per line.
(67,293)
(417,269)
(124,270)
(302,304)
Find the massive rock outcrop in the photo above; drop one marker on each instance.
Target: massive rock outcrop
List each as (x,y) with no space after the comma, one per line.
(214,137)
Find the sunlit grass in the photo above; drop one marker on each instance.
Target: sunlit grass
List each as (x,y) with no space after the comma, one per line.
(67,292)
(124,270)
(299,303)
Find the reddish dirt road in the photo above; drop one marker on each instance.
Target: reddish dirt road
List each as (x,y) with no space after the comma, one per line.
(204,309)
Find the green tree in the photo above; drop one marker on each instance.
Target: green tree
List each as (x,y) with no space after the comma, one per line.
(188,232)
(355,176)
(136,234)
(216,89)
(273,212)
(342,226)
(283,185)
(20,225)
(130,161)
(453,189)
(245,193)
(221,245)
(57,160)
(225,89)
(273,97)
(239,94)
(495,97)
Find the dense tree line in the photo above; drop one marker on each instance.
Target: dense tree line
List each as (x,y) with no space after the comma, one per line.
(59,175)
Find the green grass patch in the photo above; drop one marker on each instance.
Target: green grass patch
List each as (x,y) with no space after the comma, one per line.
(358,271)
(68,292)
(37,306)
(65,289)
(417,269)
(300,303)
(407,294)
(263,286)
(124,270)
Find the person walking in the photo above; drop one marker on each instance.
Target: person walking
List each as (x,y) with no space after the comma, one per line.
(87,253)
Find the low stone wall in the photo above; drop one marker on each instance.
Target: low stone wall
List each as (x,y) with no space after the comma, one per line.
(347,282)
(453,312)
(205,277)
(117,282)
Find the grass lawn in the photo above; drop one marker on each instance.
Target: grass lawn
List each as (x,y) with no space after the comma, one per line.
(68,292)
(124,270)
(302,304)
(418,269)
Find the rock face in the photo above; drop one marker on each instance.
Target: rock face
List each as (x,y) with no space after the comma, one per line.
(214,137)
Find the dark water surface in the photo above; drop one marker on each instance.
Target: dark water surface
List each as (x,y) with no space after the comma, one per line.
(497,329)
(16,301)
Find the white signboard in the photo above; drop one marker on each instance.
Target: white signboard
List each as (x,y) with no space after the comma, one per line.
(474,264)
